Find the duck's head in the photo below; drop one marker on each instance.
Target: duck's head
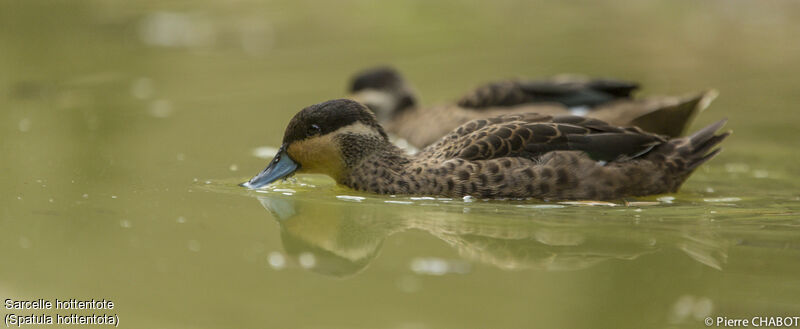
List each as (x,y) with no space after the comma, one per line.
(327,138)
(383,90)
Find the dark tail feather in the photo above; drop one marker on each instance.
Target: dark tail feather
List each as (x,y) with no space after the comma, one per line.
(697,162)
(703,136)
(695,148)
(679,157)
(713,141)
(672,120)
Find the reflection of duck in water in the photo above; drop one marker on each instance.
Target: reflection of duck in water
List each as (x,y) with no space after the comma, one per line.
(394,103)
(518,156)
(343,238)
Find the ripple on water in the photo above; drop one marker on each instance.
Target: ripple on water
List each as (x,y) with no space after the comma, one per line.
(307,260)
(541,206)
(350,198)
(589,203)
(398,202)
(276,260)
(265,152)
(439,266)
(727,199)
(641,203)
(285,191)
(666,199)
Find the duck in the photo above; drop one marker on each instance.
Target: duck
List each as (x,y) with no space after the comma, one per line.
(390,96)
(518,156)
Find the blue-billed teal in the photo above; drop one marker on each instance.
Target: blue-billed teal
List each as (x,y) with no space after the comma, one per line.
(513,156)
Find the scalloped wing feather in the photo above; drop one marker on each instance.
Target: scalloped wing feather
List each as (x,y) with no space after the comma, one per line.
(511,136)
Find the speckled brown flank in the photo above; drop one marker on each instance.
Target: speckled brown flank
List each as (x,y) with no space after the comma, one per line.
(447,169)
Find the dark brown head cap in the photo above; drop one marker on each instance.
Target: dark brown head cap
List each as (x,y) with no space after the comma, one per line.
(388,80)
(381,78)
(327,117)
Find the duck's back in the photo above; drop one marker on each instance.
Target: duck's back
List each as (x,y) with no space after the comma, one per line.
(664,115)
(569,91)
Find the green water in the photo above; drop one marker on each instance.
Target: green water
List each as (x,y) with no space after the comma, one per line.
(125,127)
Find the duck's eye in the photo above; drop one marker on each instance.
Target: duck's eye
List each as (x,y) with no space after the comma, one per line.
(313,130)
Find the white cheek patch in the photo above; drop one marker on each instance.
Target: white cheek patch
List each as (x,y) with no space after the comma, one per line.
(579,110)
(381,102)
